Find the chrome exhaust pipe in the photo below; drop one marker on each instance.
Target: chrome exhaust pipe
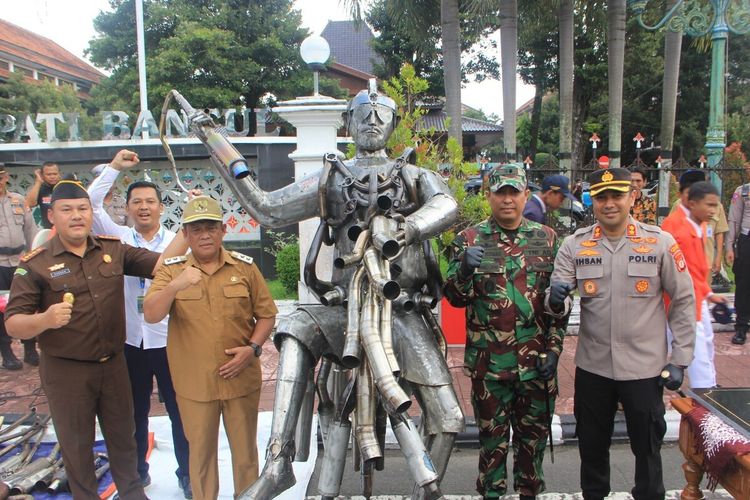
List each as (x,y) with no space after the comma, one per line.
(384,236)
(386,331)
(357,252)
(334,459)
(394,397)
(304,424)
(417,458)
(386,288)
(352,352)
(365,415)
(325,405)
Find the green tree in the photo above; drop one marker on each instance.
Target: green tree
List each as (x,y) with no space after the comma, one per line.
(217,53)
(19,98)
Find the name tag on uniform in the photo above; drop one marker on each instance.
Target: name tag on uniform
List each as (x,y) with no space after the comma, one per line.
(139,301)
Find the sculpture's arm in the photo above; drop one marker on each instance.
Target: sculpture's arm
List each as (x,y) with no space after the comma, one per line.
(438,209)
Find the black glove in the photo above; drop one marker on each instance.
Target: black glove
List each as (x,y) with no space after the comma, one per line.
(548,366)
(558,292)
(671,377)
(470,261)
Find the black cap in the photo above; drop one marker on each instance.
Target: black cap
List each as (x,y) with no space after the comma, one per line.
(616,179)
(68,190)
(722,314)
(558,184)
(690,177)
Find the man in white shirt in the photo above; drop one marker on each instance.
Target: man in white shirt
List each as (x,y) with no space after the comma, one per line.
(145,347)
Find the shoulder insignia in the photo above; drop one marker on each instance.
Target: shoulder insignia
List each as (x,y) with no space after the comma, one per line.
(175,260)
(597,233)
(108,237)
(20,272)
(631,231)
(32,254)
(241,256)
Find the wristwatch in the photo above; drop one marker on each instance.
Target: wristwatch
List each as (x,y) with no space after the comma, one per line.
(256,348)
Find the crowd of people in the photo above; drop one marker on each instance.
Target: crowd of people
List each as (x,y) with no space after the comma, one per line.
(115,305)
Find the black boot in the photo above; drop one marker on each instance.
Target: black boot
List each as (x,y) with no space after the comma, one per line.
(30,355)
(527,497)
(740,335)
(10,361)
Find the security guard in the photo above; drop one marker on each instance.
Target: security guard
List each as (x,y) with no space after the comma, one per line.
(737,248)
(499,271)
(69,292)
(220,314)
(621,267)
(17,231)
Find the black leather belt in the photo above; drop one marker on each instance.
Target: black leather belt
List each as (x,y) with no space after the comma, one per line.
(102,359)
(12,251)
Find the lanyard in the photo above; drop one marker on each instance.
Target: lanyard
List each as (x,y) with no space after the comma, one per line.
(142,281)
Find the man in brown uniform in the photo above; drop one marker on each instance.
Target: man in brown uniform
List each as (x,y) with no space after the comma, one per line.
(17,231)
(220,314)
(69,292)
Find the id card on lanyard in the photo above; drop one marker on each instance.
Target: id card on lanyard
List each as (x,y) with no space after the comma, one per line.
(141,281)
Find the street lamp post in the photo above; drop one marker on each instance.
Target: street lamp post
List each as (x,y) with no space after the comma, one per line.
(698,18)
(315,52)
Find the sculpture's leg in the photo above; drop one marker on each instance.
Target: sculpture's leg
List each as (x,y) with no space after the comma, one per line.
(693,474)
(417,457)
(294,372)
(334,459)
(444,419)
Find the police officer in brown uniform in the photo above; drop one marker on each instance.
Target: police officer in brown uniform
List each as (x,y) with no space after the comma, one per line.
(220,314)
(17,231)
(69,293)
(621,267)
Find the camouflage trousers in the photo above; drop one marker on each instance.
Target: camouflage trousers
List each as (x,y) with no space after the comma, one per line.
(498,406)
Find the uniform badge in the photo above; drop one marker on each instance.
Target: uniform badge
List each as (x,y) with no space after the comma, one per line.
(59,272)
(607,176)
(674,249)
(56,266)
(679,261)
(636,240)
(589,286)
(234,279)
(641,286)
(201,206)
(597,233)
(642,249)
(651,240)
(631,230)
(107,258)
(588,253)
(589,243)
(20,272)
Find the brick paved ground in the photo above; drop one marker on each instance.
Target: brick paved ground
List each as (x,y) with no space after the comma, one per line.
(17,389)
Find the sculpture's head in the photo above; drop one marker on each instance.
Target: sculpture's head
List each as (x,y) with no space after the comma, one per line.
(371,118)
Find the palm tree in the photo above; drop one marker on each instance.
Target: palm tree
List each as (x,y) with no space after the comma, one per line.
(565,14)
(508,54)
(616,64)
(672,52)
(451,38)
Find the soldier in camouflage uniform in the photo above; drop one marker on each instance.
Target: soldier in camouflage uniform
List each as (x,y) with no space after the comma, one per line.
(644,207)
(499,271)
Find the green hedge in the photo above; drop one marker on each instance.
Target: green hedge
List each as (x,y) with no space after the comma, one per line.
(287,266)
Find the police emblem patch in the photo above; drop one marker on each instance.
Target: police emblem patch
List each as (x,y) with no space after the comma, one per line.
(589,286)
(588,253)
(631,230)
(679,261)
(643,249)
(607,176)
(641,286)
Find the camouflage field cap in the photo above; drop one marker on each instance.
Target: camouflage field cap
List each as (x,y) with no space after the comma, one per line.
(201,208)
(512,174)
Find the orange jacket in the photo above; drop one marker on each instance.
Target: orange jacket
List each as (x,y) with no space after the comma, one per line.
(694,249)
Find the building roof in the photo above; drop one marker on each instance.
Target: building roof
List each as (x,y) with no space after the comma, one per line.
(435,118)
(30,49)
(350,45)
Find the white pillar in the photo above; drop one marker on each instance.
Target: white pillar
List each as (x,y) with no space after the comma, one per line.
(317,119)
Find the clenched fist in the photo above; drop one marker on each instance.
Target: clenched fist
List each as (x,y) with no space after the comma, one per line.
(124,159)
(189,277)
(58,315)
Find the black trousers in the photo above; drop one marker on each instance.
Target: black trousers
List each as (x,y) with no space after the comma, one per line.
(143,366)
(595,404)
(6,277)
(741,270)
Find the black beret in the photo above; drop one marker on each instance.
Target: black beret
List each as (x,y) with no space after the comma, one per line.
(68,190)
(616,179)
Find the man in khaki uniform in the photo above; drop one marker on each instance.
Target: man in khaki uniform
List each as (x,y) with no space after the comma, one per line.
(17,231)
(220,314)
(621,267)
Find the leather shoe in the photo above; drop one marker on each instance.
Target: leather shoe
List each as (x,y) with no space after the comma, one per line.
(738,339)
(145,481)
(11,362)
(30,356)
(184,483)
